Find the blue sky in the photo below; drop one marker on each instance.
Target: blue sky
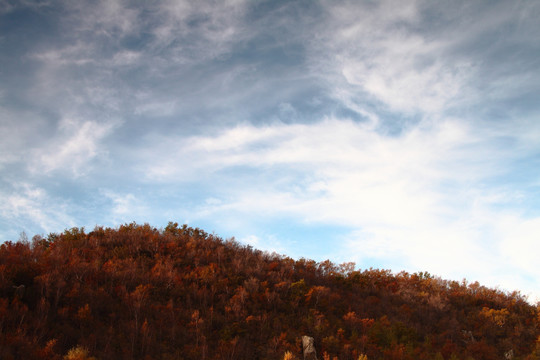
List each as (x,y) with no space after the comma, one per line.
(402,135)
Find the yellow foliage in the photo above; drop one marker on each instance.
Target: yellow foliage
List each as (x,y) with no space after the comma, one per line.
(497,316)
(288,356)
(362,357)
(78,353)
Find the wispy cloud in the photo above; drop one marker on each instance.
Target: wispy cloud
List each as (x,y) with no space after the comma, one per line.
(29,207)
(383,58)
(125,207)
(7,6)
(73,149)
(404,132)
(395,53)
(200,30)
(418,198)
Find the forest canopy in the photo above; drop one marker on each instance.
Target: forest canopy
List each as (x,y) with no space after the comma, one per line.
(138,292)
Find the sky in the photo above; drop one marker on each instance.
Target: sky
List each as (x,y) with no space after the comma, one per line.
(402,135)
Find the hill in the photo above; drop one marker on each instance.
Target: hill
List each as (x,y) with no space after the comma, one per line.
(137,292)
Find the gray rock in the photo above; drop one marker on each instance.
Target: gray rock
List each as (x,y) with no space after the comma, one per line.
(309,348)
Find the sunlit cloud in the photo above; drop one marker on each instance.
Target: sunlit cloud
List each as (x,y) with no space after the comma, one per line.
(417,199)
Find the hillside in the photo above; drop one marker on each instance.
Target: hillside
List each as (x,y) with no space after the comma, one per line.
(137,292)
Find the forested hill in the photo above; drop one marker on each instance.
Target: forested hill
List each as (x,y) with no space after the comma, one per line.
(137,292)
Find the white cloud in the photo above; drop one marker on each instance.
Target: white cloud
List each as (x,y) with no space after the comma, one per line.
(7,6)
(521,240)
(27,205)
(10,151)
(400,86)
(402,69)
(147,105)
(431,195)
(212,26)
(113,58)
(329,147)
(109,18)
(267,243)
(395,53)
(126,207)
(73,149)
(181,31)
(78,54)
(125,57)
(419,197)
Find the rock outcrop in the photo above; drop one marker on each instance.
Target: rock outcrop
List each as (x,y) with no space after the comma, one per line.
(309,348)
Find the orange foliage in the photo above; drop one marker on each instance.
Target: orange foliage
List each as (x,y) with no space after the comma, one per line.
(137,292)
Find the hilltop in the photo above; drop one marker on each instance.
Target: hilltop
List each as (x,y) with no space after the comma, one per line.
(137,292)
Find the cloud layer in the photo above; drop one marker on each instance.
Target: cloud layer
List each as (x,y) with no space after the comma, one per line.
(419,199)
(397,135)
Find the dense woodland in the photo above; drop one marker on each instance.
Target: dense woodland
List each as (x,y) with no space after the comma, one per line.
(137,292)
